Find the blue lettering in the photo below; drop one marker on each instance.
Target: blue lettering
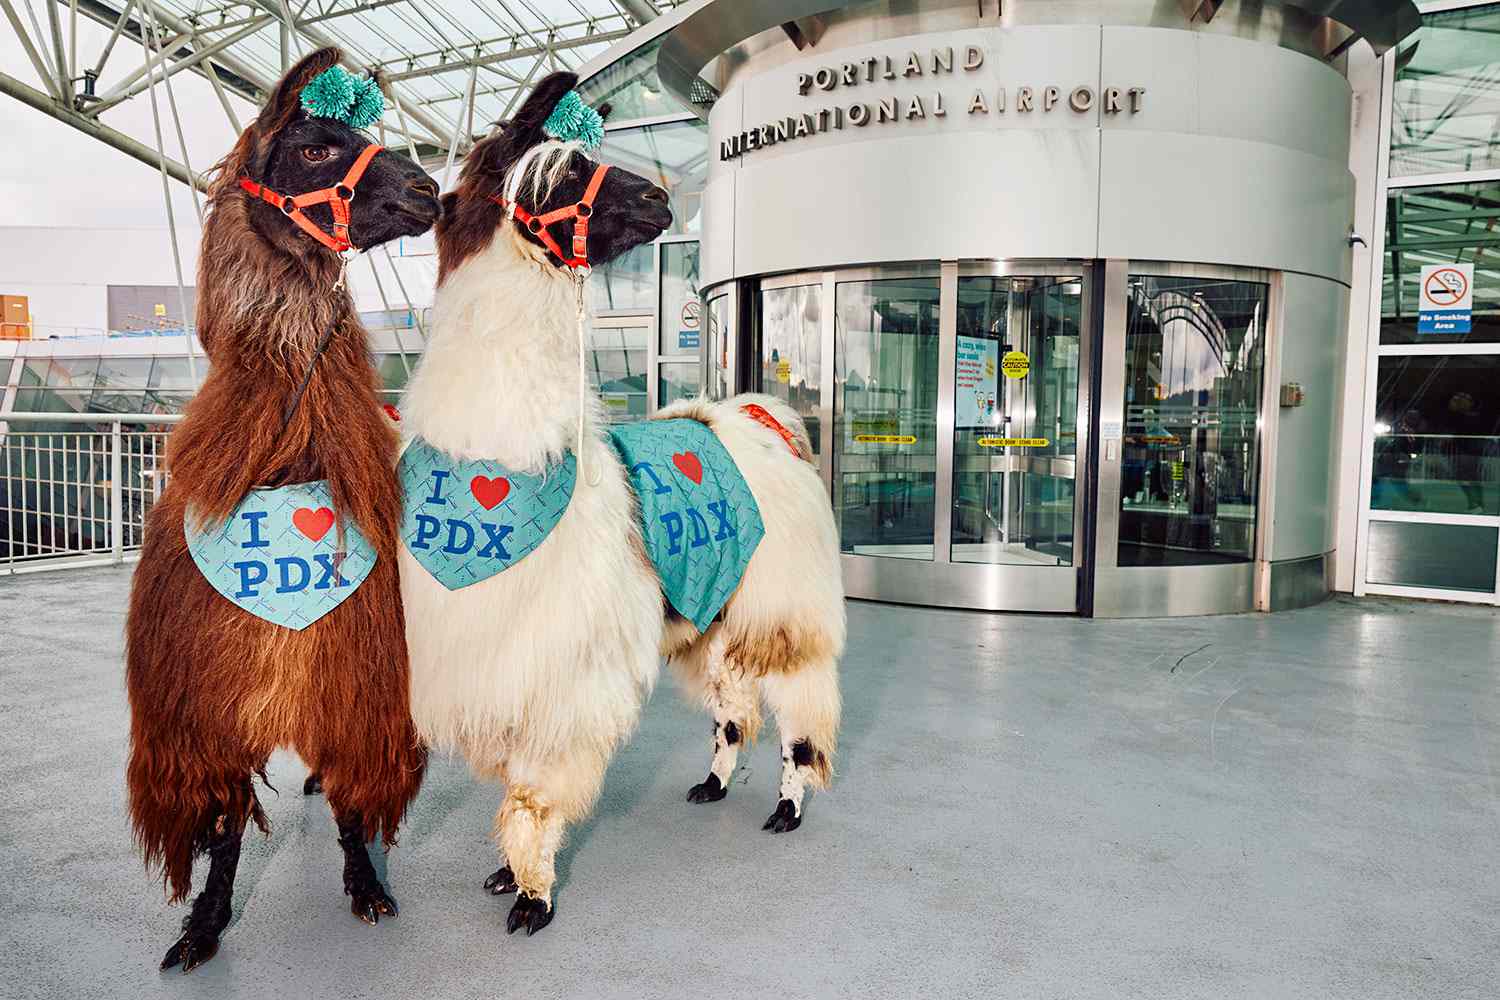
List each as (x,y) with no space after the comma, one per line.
(438,475)
(700,528)
(494,547)
(285,563)
(330,565)
(249,579)
(721,512)
(646,468)
(427,529)
(673,521)
(452,547)
(254,517)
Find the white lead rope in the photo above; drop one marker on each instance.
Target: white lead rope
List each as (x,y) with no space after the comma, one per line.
(579,277)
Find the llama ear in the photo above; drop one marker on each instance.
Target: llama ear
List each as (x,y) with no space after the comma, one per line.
(526,126)
(285,101)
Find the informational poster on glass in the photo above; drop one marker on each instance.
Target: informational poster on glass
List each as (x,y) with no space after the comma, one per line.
(1446,302)
(975,383)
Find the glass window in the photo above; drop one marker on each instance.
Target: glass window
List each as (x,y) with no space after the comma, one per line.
(1445,112)
(1446,556)
(679,380)
(1015,419)
(1437,435)
(171,384)
(885,376)
(1194,350)
(720,329)
(1444,224)
(674,155)
(627,283)
(632,87)
(72,373)
(124,373)
(791,350)
(680,318)
(617,370)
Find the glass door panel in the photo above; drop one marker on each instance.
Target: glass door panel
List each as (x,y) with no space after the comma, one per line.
(1015,419)
(791,352)
(1194,355)
(885,389)
(617,369)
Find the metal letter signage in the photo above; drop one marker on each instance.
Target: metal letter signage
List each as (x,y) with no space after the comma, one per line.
(1046,99)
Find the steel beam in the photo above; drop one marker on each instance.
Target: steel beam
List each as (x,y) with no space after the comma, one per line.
(37,62)
(12,87)
(643,11)
(135,84)
(490,59)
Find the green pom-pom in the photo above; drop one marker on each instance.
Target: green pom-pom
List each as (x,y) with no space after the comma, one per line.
(369,104)
(574,121)
(330,94)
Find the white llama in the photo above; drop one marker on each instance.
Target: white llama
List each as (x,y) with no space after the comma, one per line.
(535,642)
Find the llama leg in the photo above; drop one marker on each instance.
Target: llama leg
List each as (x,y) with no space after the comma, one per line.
(736,709)
(502,882)
(368,899)
(806,704)
(210,912)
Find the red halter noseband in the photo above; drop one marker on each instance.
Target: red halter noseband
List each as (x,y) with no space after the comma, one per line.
(338,198)
(537,224)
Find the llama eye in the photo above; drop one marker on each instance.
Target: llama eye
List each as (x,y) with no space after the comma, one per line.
(315,154)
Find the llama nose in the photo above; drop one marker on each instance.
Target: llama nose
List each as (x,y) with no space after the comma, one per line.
(424,185)
(654,193)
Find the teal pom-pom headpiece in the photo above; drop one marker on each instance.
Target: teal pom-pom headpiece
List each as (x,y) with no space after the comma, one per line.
(338,94)
(574,121)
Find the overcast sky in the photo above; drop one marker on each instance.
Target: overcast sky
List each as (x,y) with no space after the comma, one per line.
(55,175)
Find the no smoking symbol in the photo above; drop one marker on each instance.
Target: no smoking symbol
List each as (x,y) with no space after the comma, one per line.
(1446,286)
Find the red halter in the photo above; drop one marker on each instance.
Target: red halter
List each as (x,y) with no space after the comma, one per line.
(338,198)
(537,224)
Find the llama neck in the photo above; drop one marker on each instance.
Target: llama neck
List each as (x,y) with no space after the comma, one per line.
(499,377)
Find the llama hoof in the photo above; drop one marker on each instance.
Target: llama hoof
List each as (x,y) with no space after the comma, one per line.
(709,791)
(191,950)
(785,819)
(502,883)
(313,785)
(370,901)
(529,912)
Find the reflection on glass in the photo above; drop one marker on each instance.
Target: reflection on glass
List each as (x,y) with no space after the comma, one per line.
(679,380)
(625,284)
(1444,224)
(673,156)
(679,318)
(791,351)
(885,375)
(1437,435)
(719,329)
(1015,420)
(617,370)
(1445,556)
(1194,351)
(631,87)
(1444,116)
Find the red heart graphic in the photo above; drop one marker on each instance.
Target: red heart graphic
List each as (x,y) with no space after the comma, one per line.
(489,492)
(313,523)
(687,463)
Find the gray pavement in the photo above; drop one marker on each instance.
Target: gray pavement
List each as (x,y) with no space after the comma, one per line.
(1289,806)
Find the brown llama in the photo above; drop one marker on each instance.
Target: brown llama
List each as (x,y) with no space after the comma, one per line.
(291,398)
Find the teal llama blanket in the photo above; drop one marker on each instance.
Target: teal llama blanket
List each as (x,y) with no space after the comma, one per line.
(281,557)
(466,521)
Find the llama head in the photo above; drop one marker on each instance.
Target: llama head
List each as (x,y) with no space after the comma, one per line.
(524,161)
(292,151)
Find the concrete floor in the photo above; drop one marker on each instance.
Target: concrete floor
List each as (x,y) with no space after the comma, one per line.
(1303,805)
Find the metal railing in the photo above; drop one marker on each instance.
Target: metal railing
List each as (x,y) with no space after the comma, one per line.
(77,497)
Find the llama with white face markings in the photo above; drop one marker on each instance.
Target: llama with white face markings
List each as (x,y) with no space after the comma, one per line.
(550,561)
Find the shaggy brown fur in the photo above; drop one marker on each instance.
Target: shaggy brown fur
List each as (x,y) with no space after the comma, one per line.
(213,689)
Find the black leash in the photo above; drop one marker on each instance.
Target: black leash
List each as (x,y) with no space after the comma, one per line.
(296,400)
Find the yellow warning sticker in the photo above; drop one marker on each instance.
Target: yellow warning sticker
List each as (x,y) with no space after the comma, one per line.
(1015,364)
(1013,442)
(784,371)
(885,439)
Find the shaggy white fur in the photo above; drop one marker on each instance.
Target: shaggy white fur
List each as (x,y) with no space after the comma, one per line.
(539,673)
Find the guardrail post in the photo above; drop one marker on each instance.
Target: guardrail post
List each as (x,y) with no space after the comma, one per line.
(116,494)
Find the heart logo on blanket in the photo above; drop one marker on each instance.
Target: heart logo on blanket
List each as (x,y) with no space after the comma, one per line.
(313,523)
(490,492)
(687,463)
